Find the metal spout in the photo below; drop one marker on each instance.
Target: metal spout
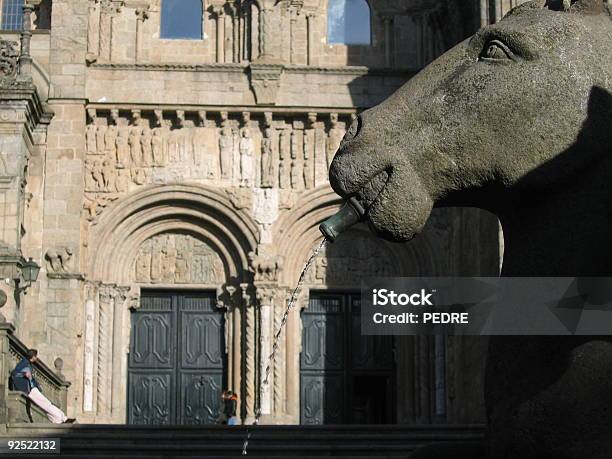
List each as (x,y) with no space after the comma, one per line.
(351,213)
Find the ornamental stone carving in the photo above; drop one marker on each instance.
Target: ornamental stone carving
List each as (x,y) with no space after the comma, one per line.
(175,258)
(266,267)
(59,260)
(9,57)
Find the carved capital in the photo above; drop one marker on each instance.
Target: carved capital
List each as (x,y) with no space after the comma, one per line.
(265,79)
(266,295)
(107,293)
(142,14)
(265,267)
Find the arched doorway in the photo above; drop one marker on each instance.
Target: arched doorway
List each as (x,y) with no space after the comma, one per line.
(177,366)
(346,377)
(163,330)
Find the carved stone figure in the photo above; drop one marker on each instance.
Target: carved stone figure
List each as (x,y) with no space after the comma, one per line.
(169,254)
(97,175)
(173,146)
(157,144)
(108,175)
(135,147)
(186,143)
(199,147)
(94,206)
(543,134)
(58,260)
(182,267)
(110,141)
(123,149)
(146,147)
(100,132)
(143,266)
(90,183)
(295,145)
(267,166)
(122,183)
(284,168)
(297,178)
(226,152)
(139,176)
(247,150)
(307,165)
(90,138)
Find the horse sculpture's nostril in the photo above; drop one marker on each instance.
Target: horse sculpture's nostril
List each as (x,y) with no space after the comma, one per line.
(351,213)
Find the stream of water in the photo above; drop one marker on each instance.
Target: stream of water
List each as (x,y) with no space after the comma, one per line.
(277,335)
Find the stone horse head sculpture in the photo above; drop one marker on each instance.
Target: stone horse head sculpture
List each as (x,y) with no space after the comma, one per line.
(516,120)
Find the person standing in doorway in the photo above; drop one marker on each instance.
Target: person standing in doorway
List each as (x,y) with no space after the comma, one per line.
(23,380)
(231,404)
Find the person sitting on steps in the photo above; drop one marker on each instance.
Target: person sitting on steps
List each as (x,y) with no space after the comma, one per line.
(23,380)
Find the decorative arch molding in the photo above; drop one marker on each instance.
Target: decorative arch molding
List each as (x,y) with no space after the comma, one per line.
(202,212)
(297,233)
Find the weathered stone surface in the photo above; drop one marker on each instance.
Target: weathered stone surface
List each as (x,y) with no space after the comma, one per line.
(515,120)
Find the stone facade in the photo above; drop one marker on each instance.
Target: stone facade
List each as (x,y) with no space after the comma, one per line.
(142,163)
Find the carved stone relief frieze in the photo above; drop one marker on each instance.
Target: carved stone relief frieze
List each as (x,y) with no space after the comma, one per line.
(175,258)
(126,152)
(130,148)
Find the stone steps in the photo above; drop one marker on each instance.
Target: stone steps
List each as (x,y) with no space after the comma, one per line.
(106,441)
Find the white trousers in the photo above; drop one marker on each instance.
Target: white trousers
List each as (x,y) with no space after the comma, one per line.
(55,415)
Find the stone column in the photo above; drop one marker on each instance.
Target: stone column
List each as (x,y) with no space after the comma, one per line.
(310,37)
(119,358)
(88,359)
(388,22)
(250,347)
(105,29)
(236,348)
(25,60)
(293,12)
(280,360)
(266,266)
(93,31)
(220,24)
(105,323)
(265,298)
(142,14)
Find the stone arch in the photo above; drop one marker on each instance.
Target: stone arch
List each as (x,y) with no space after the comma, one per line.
(201,212)
(298,233)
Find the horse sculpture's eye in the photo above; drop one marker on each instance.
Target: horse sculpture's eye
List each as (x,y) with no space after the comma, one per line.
(495,50)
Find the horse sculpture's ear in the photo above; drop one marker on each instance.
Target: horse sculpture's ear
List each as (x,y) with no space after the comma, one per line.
(578,6)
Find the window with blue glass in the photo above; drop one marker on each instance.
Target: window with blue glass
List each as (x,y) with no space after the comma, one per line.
(182,19)
(348,22)
(12,14)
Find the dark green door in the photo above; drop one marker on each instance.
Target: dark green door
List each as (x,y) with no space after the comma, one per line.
(177,359)
(345,378)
